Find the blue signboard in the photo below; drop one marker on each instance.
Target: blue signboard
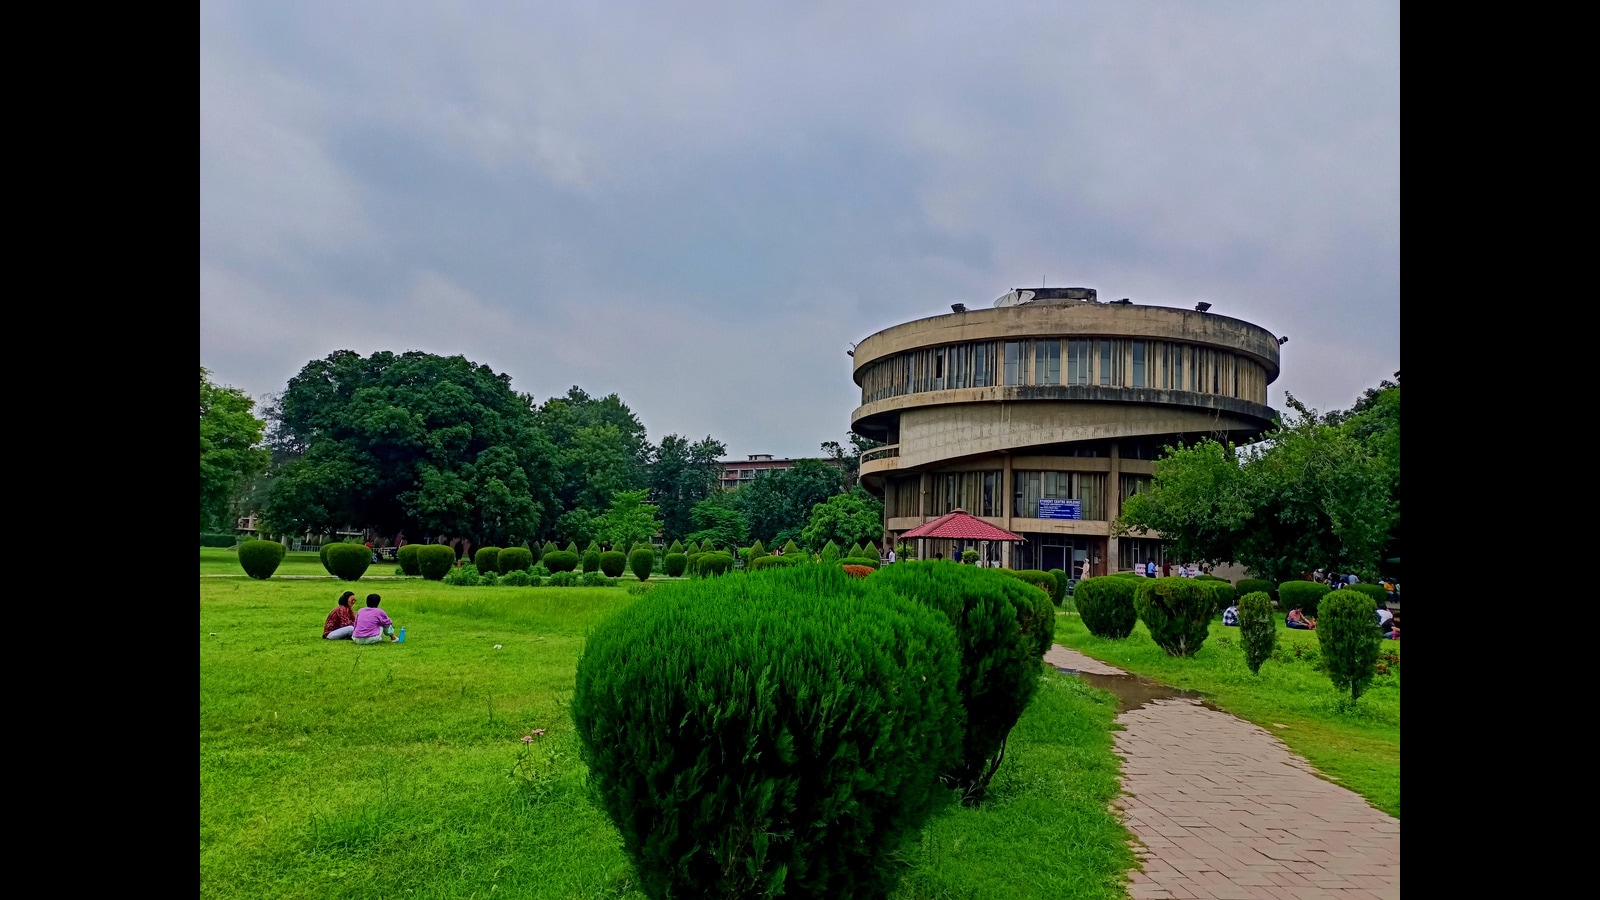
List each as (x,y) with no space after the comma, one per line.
(1060,509)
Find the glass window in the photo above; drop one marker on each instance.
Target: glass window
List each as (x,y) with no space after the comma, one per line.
(1177,369)
(983,365)
(1047,362)
(1013,362)
(1138,363)
(1077,362)
(1105,362)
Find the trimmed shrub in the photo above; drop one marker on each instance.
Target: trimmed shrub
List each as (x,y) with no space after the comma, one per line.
(260,559)
(1349,640)
(538,571)
(594,547)
(515,559)
(536,551)
(611,562)
(697,761)
(489,579)
(218,540)
(830,552)
(591,561)
(715,563)
(1303,595)
(641,561)
(407,557)
(1003,627)
(516,578)
(791,549)
(564,578)
(434,561)
(322,555)
(348,562)
(640,589)
(692,563)
(1177,611)
(1040,579)
(549,548)
(1222,594)
(857,571)
(1060,591)
(1106,606)
(1252,585)
(969,556)
(572,547)
(464,576)
(772,562)
(561,560)
(856,552)
(675,564)
(1258,628)
(870,562)
(596,579)
(675,548)
(756,552)
(1375,591)
(1210,577)
(487,559)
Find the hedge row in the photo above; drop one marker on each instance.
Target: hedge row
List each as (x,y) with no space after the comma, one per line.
(218,540)
(1305,596)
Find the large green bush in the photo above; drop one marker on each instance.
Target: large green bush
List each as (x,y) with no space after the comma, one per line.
(1350,640)
(777,734)
(1059,591)
(830,552)
(675,564)
(572,547)
(772,562)
(549,548)
(487,559)
(515,559)
(348,562)
(870,562)
(536,551)
(591,561)
(1177,611)
(1258,629)
(692,563)
(260,559)
(561,560)
(611,562)
(1221,592)
(434,561)
(564,578)
(715,563)
(322,556)
(1251,585)
(641,562)
(1302,595)
(756,552)
(791,549)
(517,578)
(218,540)
(1003,627)
(1106,605)
(1375,591)
(407,557)
(1039,578)
(676,547)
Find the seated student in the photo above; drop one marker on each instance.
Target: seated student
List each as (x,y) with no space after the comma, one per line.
(372,623)
(1383,618)
(1393,633)
(1230,616)
(1297,619)
(341,622)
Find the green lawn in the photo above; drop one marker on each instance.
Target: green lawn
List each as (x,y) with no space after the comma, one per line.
(1357,746)
(331,770)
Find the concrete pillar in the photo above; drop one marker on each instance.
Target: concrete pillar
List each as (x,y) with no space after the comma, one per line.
(922,513)
(1113,504)
(1007,548)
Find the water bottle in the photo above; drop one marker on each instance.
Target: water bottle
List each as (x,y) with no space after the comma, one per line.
(402,635)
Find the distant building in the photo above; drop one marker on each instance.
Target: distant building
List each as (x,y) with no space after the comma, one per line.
(1043,414)
(741,472)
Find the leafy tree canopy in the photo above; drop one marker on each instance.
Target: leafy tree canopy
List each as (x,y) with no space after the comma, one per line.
(600,449)
(778,504)
(629,520)
(230,449)
(683,474)
(845,519)
(720,520)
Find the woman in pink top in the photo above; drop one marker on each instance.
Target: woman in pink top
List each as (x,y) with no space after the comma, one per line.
(372,623)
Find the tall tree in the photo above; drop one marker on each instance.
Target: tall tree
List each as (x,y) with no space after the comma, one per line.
(845,519)
(629,520)
(681,475)
(411,442)
(720,520)
(849,459)
(230,449)
(778,504)
(600,448)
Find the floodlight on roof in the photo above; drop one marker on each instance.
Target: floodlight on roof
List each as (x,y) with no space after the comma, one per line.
(1283,340)
(1202,306)
(958,307)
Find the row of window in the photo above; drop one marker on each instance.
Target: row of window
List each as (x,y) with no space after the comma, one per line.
(1111,362)
(980,493)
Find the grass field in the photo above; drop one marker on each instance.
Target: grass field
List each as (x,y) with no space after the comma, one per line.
(397,770)
(1357,746)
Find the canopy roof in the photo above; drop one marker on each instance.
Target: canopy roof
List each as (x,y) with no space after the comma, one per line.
(958,525)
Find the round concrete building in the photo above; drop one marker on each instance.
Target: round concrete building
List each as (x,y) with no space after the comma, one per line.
(1041,414)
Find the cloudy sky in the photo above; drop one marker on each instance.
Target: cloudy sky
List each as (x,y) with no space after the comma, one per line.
(700,205)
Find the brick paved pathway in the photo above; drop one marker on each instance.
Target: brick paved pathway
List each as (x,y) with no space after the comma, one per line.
(1225,810)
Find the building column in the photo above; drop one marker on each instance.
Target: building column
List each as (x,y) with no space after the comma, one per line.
(1113,505)
(922,513)
(1008,547)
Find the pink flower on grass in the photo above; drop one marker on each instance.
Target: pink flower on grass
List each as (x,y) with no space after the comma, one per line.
(528,738)
(538,731)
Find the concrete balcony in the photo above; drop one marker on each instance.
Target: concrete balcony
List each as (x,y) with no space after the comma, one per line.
(880,460)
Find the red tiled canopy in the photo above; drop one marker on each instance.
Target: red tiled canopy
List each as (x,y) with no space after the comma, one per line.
(958,525)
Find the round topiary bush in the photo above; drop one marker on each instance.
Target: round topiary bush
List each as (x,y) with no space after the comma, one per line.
(591,561)
(548,548)
(322,555)
(1375,591)
(1003,627)
(1040,579)
(868,561)
(772,562)
(561,560)
(1258,629)
(715,563)
(800,703)
(642,561)
(536,551)
(487,559)
(969,556)
(564,578)
(1106,606)
(515,559)
(611,562)
(348,562)
(434,561)
(1221,592)
(1059,593)
(515,578)
(1177,611)
(260,559)
(1252,585)
(1350,640)
(407,557)
(1305,596)
(675,564)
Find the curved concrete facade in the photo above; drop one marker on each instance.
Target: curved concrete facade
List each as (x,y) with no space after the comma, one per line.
(1023,413)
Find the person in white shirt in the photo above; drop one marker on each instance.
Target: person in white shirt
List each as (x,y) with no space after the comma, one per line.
(1230,616)
(891,554)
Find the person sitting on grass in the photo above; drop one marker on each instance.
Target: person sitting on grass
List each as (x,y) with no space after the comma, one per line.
(1393,633)
(1230,616)
(372,623)
(1297,619)
(341,622)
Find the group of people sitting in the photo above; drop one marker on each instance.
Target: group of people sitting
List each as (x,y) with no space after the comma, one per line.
(1387,622)
(365,626)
